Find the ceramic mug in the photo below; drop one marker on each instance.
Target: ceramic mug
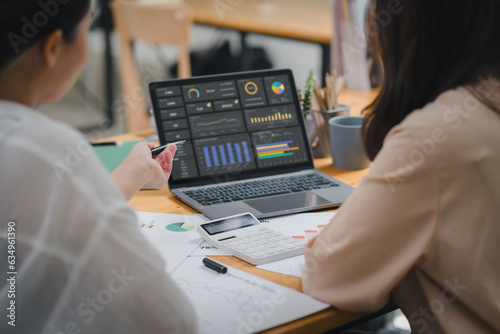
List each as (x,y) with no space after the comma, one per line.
(346,143)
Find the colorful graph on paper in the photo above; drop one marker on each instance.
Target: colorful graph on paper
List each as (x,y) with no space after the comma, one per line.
(309,234)
(235,297)
(180,227)
(145,224)
(223,302)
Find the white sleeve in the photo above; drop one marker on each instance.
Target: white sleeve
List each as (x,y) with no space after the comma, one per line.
(83,265)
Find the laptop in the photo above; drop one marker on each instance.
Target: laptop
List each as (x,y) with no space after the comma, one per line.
(246,146)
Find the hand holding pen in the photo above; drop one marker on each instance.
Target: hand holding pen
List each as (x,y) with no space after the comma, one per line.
(141,169)
(157,150)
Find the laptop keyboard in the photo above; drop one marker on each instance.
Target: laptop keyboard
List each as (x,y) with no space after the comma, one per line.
(258,189)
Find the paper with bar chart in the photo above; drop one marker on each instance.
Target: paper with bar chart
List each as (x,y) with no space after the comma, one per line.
(173,236)
(279,147)
(238,302)
(303,227)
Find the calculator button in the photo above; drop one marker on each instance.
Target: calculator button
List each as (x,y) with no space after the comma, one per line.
(285,245)
(258,254)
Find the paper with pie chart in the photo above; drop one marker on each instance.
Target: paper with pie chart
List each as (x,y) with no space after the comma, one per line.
(173,236)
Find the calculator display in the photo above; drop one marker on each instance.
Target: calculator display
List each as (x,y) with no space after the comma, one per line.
(225,225)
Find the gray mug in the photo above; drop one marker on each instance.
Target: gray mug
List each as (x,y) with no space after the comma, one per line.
(346,144)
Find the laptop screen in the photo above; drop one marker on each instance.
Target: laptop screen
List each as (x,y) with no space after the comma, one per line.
(236,126)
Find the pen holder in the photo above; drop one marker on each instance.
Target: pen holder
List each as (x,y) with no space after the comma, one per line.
(319,139)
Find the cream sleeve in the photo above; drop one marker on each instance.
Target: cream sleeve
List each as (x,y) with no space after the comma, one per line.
(384,228)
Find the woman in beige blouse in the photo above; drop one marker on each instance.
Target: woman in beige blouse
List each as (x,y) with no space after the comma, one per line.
(424,225)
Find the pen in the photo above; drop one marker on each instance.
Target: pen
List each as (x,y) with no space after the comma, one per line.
(214,265)
(159,149)
(104,143)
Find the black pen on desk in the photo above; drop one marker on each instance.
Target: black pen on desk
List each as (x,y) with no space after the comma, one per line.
(159,149)
(214,265)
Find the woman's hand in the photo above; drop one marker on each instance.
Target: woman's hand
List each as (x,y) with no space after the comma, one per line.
(161,165)
(141,169)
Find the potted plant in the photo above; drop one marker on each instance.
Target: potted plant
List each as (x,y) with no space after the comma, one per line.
(305,100)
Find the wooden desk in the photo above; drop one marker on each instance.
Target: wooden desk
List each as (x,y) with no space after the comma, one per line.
(162,201)
(307,21)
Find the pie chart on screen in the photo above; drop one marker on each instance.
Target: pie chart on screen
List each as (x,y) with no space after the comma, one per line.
(180,227)
(278,87)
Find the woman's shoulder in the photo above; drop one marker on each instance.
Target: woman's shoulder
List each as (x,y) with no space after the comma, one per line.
(28,130)
(453,129)
(35,144)
(456,113)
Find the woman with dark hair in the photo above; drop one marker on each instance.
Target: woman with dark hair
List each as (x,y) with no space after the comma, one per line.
(80,264)
(424,225)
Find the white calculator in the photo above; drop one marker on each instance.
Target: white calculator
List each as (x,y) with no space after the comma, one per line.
(245,237)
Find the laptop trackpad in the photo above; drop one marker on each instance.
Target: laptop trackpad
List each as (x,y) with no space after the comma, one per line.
(287,202)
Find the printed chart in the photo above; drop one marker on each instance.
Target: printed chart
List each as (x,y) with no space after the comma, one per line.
(147,224)
(173,236)
(303,227)
(180,227)
(238,302)
(309,234)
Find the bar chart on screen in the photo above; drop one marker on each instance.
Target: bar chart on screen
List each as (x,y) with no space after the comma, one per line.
(224,153)
(279,147)
(271,117)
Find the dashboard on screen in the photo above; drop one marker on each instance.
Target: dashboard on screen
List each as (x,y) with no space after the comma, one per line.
(234,125)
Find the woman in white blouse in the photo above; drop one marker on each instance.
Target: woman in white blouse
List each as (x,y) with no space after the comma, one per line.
(82,266)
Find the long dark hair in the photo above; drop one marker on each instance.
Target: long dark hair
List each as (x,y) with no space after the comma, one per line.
(25,22)
(426,47)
